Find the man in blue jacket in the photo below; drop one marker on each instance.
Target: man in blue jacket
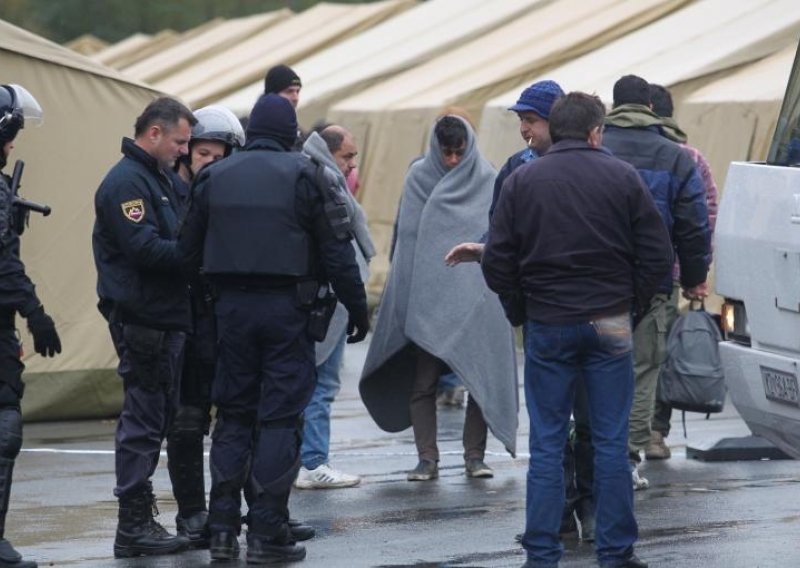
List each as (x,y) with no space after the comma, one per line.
(634,134)
(145,299)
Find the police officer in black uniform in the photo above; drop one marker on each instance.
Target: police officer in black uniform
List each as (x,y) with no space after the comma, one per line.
(258,226)
(145,299)
(17,295)
(215,136)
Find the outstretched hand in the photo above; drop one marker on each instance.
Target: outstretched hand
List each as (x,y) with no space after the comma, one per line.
(465,252)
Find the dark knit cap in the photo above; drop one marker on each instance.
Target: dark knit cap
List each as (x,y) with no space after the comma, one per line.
(631,90)
(279,78)
(273,117)
(539,98)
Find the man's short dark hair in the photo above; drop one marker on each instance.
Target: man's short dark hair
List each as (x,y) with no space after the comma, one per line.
(661,100)
(333,138)
(631,90)
(164,111)
(450,132)
(574,115)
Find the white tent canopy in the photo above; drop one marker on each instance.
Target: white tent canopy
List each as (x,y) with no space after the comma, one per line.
(703,38)
(200,46)
(288,41)
(428,29)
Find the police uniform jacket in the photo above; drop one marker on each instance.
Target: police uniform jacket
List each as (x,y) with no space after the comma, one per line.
(17,293)
(257,219)
(138,271)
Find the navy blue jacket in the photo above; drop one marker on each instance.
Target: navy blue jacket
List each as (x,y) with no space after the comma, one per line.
(139,278)
(678,191)
(577,233)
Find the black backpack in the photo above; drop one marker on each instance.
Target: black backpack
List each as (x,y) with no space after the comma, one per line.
(692,377)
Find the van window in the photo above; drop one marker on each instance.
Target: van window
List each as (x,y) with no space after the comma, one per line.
(785,147)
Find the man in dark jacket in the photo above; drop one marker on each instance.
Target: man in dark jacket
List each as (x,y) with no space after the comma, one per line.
(634,134)
(257,225)
(576,234)
(145,299)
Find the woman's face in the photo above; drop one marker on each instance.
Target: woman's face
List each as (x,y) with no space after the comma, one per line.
(204,152)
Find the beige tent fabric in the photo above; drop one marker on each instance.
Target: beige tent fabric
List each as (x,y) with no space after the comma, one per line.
(429,29)
(286,42)
(136,47)
(688,47)
(734,118)
(87,110)
(201,46)
(392,119)
(87,44)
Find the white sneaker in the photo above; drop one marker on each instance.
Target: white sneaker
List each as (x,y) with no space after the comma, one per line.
(324,477)
(639,482)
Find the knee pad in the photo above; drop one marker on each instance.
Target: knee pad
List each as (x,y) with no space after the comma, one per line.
(10,433)
(190,422)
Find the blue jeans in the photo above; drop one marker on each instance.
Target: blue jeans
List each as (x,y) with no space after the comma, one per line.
(555,357)
(317,429)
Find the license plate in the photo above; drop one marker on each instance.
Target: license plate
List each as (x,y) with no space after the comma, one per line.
(780,386)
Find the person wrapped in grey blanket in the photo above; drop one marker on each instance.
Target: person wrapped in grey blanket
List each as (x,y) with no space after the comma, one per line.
(433,318)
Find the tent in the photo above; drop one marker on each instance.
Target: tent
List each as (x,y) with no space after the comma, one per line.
(87,44)
(392,119)
(130,47)
(286,42)
(680,51)
(202,45)
(405,40)
(744,106)
(87,110)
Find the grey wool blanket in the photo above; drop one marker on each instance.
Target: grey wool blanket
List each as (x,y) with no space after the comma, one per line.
(315,147)
(448,311)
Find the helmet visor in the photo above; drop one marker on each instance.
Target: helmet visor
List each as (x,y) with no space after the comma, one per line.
(31,110)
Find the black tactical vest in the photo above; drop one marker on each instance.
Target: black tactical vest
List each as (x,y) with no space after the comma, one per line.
(252,225)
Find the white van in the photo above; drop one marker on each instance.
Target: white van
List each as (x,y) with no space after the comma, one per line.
(757,256)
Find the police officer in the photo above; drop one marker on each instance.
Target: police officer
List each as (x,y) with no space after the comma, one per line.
(145,299)
(216,134)
(17,295)
(257,224)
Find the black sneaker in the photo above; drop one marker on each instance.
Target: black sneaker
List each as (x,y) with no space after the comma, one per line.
(10,557)
(224,545)
(476,468)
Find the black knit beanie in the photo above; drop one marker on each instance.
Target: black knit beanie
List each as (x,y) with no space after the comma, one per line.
(273,117)
(279,78)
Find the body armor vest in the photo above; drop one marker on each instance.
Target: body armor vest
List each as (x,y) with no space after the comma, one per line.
(252,224)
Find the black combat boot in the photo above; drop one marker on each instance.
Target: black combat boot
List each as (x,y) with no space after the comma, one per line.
(224,545)
(138,533)
(262,549)
(300,530)
(194,528)
(8,555)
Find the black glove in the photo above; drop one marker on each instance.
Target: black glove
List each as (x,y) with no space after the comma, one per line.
(45,339)
(357,327)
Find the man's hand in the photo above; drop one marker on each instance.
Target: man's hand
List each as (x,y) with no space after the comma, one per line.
(465,252)
(45,338)
(357,327)
(698,292)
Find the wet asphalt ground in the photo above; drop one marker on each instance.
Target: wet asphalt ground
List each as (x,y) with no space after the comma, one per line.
(695,514)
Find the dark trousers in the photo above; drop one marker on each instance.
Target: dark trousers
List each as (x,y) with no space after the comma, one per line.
(423,412)
(265,378)
(150,366)
(579,459)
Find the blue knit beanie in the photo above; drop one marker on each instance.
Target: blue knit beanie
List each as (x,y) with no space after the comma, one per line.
(539,98)
(273,117)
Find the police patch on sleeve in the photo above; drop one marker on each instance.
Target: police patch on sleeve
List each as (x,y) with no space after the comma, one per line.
(133,210)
